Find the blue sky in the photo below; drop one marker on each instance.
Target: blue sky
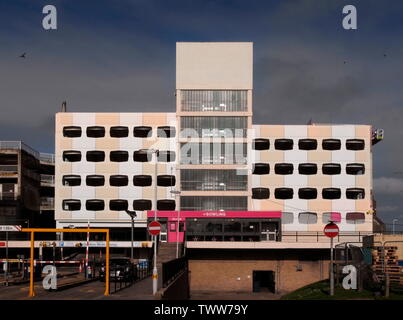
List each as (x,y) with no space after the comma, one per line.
(120,55)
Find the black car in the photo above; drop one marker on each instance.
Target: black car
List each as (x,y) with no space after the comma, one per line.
(120,269)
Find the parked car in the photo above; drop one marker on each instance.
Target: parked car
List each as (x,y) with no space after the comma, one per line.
(120,269)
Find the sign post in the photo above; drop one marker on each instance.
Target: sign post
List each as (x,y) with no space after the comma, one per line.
(6,229)
(331,230)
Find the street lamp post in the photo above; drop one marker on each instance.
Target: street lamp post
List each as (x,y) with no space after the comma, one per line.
(176,192)
(393,225)
(132,215)
(155,270)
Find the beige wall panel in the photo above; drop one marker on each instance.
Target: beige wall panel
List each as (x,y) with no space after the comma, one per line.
(363,132)
(107,144)
(320,181)
(320,156)
(107,215)
(64,167)
(362,156)
(154,119)
(65,144)
(319,132)
(214,65)
(272,156)
(268,131)
(64,192)
(272,180)
(272,204)
(106,193)
(107,167)
(362,181)
(320,206)
(107,120)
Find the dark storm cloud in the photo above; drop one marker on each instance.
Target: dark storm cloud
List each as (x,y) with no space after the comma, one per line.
(120,56)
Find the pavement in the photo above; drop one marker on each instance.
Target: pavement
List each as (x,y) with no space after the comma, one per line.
(216,295)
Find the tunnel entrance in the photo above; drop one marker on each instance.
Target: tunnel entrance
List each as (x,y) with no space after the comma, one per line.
(264,281)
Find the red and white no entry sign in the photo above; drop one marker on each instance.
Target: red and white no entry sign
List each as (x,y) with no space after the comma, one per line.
(331,230)
(154,228)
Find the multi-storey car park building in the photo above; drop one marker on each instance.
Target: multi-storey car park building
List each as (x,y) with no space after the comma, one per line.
(26,185)
(252,200)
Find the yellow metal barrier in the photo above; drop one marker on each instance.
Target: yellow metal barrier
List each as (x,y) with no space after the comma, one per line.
(33,230)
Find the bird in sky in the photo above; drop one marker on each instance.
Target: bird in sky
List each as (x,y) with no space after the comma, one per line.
(23,55)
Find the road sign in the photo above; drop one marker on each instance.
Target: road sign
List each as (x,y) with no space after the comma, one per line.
(10,228)
(331,230)
(154,228)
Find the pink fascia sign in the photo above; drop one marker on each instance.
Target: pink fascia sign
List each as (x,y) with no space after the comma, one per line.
(173,215)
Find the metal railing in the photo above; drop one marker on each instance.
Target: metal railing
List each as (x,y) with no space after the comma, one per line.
(171,269)
(47,158)
(9,168)
(18,145)
(287,236)
(319,236)
(212,186)
(48,179)
(8,196)
(47,203)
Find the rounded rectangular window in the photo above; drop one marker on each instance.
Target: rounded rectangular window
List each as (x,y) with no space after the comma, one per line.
(71,180)
(166,205)
(142,155)
(260,193)
(166,156)
(95,180)
(307,144)
(328,217)
(119,132)
(166,180)
(72,132)
(307,168)
(331,144)
(261,144)
(118,180)
(331,168)
(142,180)
(142,132)
(261,168)
(119,156)
(95,205)
(71,156)
(284,193)
(331,193)
(95,132)
(355,193)
(355,218)
(355,144)
(142,204)
(95,156)
(118,205)
(283,144)
(308,218)
(307,193)
(166,132)
(355,169)
(71,205)
(287,217)
(284,168)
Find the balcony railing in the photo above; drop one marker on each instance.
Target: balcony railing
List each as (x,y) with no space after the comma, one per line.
(288,237)
(47,158)
(18,145)
(9,169)
(8,196)
(47,203)
(47,180)
(212,186)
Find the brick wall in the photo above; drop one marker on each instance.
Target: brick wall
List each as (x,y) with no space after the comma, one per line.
(234,272)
